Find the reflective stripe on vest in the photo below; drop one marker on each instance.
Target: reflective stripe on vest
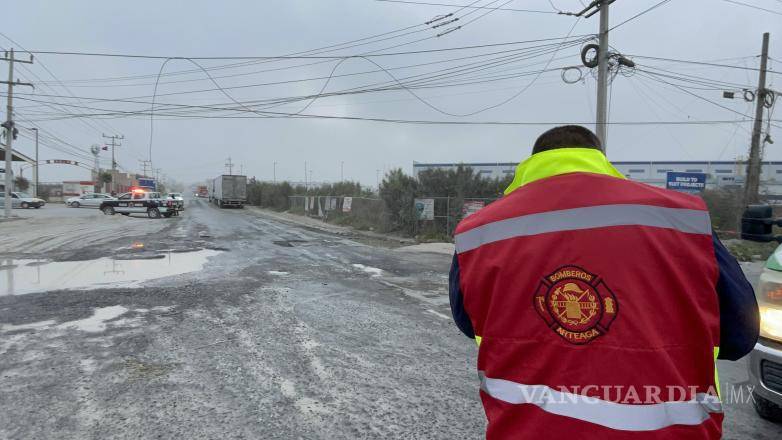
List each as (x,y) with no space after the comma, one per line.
(683,220)
(625,417)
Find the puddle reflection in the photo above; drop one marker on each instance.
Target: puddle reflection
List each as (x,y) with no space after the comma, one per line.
(29,276)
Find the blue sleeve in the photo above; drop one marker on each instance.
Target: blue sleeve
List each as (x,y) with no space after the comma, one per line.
(739,316)
(457,301)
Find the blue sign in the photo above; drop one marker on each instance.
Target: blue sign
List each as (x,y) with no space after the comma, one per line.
(686,182)
(146,183)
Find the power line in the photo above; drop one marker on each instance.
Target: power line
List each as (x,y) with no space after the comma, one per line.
(752,6)
(294,57)
(708,83)
(536,11)
(312,78)
(507,57)
(244,64)
(700,63)
(358,90)
(288,115)
(700,97)
(422,80)
(653,7)
(43,66)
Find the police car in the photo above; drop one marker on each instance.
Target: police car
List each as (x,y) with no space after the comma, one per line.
(138,201)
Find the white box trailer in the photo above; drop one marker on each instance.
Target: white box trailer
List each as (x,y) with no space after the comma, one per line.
(228,190)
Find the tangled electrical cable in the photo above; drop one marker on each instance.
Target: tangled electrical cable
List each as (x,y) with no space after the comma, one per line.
(617,64)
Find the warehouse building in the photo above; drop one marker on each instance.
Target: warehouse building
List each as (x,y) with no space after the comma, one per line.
(718,173)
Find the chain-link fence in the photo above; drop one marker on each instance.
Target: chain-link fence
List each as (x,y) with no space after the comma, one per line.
(437,217)
(432,217)
(363,213)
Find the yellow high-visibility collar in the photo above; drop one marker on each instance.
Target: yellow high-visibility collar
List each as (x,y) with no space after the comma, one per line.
(561,161)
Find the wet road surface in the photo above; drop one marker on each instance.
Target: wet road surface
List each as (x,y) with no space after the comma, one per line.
(257,329)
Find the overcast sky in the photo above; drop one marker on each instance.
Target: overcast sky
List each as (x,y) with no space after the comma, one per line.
(195,149)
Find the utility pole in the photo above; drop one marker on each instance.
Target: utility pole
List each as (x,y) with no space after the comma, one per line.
(274,172)
(10,130)
(114,144)
(95,150)
(602,76)
(342,171)
(230,166)
(35,166)
(306,186)
(144,164)
(752,184)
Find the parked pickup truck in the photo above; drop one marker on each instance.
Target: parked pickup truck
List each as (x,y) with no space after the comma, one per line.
(141,202)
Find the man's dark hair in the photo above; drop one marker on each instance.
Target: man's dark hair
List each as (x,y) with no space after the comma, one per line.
(567,136)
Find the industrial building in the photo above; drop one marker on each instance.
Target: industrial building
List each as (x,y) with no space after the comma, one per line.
(718,173)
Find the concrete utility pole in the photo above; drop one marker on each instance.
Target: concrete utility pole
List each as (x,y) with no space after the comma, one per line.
(9,126)
(274,172)
(35,165)
(752,184)
(602,76)
(114,144)
(35,168)
(306,185)
(144,164)
(342,171)
(95,150)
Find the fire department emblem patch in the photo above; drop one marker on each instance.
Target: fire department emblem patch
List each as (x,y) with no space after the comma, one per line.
(576,304)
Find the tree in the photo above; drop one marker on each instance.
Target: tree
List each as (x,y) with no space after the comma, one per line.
(398,191)
(105,177)
(21,184)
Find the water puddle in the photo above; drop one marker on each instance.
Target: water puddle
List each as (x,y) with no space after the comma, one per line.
(97,322)
(18,277)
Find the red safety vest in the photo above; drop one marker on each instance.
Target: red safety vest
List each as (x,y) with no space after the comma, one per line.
(594,303)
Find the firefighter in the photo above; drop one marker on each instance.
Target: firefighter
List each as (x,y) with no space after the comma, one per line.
(599,305)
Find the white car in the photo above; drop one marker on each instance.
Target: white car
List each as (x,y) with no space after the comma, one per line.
(179,200)
(765,361)
(23,200)
(88,200)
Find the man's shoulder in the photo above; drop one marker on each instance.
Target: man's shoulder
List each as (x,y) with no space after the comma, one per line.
(578,190)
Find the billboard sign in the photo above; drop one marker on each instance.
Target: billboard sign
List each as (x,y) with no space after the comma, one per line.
(347,204)
(424,209)
(693,183)
(147,183)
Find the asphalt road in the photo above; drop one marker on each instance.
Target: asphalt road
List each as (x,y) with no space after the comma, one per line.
(258,328)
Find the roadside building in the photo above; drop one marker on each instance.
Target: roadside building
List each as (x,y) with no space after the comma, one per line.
(718,173)
(75,188)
